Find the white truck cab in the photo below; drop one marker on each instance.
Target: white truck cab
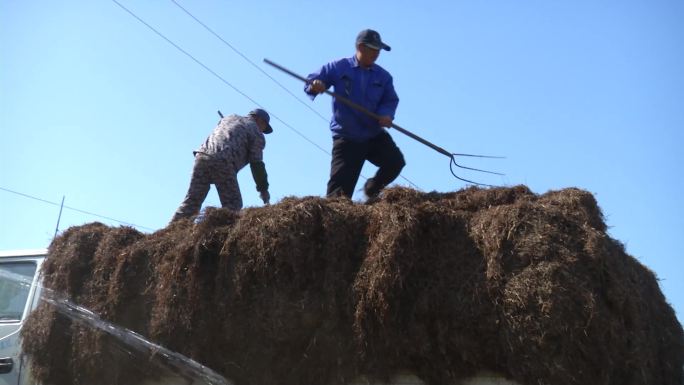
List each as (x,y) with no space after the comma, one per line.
(19,294)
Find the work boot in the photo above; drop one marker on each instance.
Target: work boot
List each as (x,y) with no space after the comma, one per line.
(371,189)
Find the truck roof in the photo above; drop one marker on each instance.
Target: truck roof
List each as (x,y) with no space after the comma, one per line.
(23,253)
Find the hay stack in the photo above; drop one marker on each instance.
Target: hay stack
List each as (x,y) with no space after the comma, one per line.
(318,291)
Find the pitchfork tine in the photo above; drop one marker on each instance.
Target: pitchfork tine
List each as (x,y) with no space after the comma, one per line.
(480,156)
(463,179)
(475,169)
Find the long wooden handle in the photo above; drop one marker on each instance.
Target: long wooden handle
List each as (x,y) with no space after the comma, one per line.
(363,109)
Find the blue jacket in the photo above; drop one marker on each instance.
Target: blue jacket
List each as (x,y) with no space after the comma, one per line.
(372,88)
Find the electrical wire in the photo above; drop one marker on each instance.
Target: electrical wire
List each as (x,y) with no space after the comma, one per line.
(215,74)
(302,102)
(75,209)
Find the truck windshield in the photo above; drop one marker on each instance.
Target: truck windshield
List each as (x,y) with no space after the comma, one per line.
(15,284)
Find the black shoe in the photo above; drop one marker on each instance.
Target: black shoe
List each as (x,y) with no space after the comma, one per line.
(371,189)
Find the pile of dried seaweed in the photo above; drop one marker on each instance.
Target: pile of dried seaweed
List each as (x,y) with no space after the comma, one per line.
(319,291)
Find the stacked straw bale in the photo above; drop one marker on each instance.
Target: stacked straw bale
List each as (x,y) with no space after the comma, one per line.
(318,291)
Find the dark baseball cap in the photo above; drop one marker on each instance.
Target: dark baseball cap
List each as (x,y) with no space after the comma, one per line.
(265,116)
(371,39)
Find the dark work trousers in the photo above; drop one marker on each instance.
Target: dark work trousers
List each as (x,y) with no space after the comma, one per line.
(348,157)
(205,172)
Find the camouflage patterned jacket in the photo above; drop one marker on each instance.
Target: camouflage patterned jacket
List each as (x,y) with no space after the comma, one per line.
(237,139)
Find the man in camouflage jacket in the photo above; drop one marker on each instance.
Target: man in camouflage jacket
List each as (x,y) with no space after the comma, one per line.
(235,142)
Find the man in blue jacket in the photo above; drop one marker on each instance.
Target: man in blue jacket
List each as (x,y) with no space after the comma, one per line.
(358,137)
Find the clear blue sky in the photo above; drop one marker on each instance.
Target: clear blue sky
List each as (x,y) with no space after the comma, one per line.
(97,108)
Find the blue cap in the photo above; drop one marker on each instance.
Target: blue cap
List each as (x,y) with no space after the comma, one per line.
(265,116)
(371,39)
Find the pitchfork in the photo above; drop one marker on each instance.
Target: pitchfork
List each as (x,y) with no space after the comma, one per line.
(451,155)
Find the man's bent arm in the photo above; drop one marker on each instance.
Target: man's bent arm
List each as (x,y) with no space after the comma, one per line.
(259,174)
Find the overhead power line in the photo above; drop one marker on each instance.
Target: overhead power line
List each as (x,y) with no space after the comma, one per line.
(305,104)
(76,209)
(186,53)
